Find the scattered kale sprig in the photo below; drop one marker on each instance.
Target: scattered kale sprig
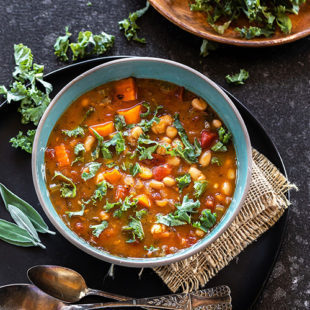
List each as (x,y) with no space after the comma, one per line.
(87,44)
(130,26)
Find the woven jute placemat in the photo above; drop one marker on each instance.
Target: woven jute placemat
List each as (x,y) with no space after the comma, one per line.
(265,203)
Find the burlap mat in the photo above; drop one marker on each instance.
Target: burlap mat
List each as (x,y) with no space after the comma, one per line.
(264,205)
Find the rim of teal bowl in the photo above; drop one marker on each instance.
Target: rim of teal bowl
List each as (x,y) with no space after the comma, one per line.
(38,174)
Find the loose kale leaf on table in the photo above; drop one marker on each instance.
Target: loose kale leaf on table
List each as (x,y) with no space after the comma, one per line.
(238,78)
(130,26)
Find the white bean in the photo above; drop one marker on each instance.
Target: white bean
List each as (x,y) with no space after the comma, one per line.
(231,174)
(205,158)
(226,188)
(156,184)
(196,174)
(89,142)
(168,181)
(171,132)
(199,104)
(216,123)
(173,161)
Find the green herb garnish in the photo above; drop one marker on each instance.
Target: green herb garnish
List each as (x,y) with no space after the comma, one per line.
(200,187)
(182,215)
(108,206)
(135,227)
(102,189)
(215,160)
(135,169)
(206,221)
(206,47)
(151,248)
(93,167)
(68,188)
(24,141)
(183,181)
(224,135)
(76,213)
(76,132)
(189,152)
(119,122)
(238,78)
(61,45)
(79,151)
(219,147)
(130,26)
(98,229)
(27,77)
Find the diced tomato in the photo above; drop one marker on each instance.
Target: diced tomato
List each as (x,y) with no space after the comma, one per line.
(143,200)
(179,93)
(161,171)
(156,160)
(209,204)
(207,138)
(50,153)
(121,192)
(80,228)
(156,195)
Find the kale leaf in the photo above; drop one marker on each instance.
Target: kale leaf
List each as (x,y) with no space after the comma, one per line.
(119,122)
(28,76)
(206,47)
(206,221)
(130,26)
(87,44)
(136,228)
(24,141)
(182,215)
(61,45)
(90,170)
(183,181)
(238,78)
(68,188)
(76,132)
(76,213)
(98,229)
(200,187)
(189,152)
(135,169)
(102,189)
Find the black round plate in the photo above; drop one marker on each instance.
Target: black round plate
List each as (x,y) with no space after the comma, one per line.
(246,276)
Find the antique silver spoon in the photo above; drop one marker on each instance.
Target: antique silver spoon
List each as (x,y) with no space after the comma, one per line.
(64,283)
(29,297)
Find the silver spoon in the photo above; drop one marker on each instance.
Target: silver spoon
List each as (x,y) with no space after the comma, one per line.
(29,297)
(64,284)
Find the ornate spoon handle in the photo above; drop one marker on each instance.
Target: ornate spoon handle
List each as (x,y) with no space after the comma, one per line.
(209,299)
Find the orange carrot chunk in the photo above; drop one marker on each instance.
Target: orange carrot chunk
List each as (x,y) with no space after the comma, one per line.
(126,89)
(103,129)
(144,200)
(131,115)
(61,155)
(112,176)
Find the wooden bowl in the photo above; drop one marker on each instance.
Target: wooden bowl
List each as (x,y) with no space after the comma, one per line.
(178,12)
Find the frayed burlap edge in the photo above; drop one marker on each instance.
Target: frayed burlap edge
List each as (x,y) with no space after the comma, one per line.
(265,203)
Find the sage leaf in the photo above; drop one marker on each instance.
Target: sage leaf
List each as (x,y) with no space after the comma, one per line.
(35,218)
(23,221)
(13,234)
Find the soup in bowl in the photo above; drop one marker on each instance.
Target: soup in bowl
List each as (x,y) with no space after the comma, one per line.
(141,171)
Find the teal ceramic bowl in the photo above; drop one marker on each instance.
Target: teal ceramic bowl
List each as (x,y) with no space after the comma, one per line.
(152,68)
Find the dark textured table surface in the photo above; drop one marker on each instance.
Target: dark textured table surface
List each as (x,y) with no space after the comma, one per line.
(278,94)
